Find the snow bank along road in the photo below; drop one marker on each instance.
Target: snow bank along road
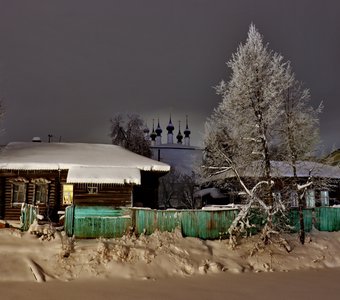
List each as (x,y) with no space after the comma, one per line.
(166,265)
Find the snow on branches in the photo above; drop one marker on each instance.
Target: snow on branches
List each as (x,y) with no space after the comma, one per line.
(264,115)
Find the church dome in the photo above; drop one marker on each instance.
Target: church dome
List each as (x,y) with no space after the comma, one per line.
(170,128)
(187,130)
(179,134)
(153,133)
(158,129)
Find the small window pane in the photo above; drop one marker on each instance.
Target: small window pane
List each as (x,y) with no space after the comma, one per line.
(310,198)
(324,198)
(19,193)
(91,189)
(67,194)
(41,193)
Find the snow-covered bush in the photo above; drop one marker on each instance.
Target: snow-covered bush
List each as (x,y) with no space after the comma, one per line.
(44,232)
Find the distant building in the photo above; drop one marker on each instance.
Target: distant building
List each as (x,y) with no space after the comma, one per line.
(180,155)
(178,187)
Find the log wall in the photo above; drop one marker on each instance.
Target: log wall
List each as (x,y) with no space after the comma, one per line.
(49,210)
(114,195)
(108,194)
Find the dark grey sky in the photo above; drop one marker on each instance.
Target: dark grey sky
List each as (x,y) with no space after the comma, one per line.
(67,66)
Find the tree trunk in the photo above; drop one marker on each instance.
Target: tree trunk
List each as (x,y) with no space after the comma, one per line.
(302,224)
(291,144)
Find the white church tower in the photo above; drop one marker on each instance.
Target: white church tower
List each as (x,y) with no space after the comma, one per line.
(170,128)
(187,134)
(153,134)
(158,134)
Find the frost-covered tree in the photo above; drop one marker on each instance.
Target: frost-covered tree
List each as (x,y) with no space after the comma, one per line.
(299,135)
(245,132)
(299,125)
(128,133)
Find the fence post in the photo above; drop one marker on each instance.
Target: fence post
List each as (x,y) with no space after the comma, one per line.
(28,214)
(69,220)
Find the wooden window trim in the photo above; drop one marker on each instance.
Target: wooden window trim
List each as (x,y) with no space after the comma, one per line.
(68,194)
(42,187)
(15,193)
(92,189)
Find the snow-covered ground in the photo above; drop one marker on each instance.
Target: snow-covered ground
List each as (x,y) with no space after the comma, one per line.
(166,265)
(26,258)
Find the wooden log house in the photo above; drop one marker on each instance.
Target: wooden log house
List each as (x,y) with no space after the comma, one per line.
(324,189)
(55,175)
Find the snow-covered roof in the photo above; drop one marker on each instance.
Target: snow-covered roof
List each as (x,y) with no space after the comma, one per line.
(98,162)
(117,175)
(284,169)
(213,192)
(305,169)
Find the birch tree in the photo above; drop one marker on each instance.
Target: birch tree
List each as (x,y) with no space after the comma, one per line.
(242,133)
(299,135)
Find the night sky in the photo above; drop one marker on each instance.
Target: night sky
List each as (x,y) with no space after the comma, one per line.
(67,66)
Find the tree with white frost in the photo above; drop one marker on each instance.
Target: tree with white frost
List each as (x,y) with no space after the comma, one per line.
(299,135)
(128,133)
(245,131)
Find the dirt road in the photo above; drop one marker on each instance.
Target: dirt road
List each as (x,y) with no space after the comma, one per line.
(314,284)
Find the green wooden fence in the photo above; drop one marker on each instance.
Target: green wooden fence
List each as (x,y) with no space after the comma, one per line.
(100,221)
(207,224)
(307,219)
(327,218)
(147,220)
(28,215)
(194,223)
(103,221)
(69,220)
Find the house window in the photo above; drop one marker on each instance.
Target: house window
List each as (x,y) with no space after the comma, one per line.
(67,194)
(310,198)
(92,189)
(41,193)
(41,186)
(19,193)
(294,199)
(324,198)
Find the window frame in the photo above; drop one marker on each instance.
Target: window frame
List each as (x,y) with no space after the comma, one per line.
(41,189)
(19,191)
(92,189)
(38,184)
(68,194)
